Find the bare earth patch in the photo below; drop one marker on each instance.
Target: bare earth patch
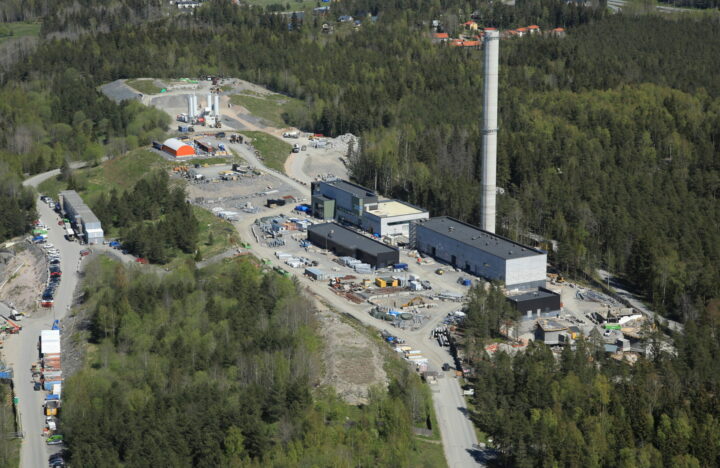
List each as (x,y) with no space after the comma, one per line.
(353,362)
(26,272)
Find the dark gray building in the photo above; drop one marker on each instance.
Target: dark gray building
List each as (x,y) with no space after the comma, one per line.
(479,252)
(344,242)
(341,200)
(536,303)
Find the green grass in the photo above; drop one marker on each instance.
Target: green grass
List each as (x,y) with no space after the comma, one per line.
(52,187)
(268,107)
(144,86)
(15,30)
(274,152)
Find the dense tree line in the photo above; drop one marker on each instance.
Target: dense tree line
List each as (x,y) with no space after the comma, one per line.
(47,122)
(216,368)
(585,409)
(154,217)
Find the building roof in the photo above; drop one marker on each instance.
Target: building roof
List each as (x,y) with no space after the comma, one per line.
(531,295)
(355,189)
(81,209)
(390,208)
(441,36)
(550,325)
(350,239)
(473,236)
(174,143)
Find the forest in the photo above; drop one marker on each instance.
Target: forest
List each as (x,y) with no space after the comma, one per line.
(154,218)
(608,143)
(587,409)
(601,148)
(219,367)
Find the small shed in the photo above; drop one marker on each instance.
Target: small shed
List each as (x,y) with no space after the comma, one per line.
(316,274)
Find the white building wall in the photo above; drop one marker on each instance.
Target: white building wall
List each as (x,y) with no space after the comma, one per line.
(389,226)
(528,271)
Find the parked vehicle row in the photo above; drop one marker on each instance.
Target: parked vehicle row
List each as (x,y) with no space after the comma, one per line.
(54,274)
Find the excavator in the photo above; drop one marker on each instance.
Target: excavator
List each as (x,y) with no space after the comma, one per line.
(413,302)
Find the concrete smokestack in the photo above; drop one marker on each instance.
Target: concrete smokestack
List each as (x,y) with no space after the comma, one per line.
(217,105)
(194,104)
(209,102)
(490,129)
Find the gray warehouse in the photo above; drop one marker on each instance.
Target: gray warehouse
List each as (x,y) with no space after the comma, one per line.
(341,200)
(479,252)
(344,242)
(82,216)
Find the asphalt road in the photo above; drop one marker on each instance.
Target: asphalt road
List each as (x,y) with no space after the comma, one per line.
(21,350)
(457,431)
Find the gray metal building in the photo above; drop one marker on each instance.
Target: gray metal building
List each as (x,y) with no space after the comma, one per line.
(344,242)
(341,200)
(82,216)
(479,252)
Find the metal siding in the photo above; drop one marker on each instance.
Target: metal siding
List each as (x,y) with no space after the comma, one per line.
(526,271)
(480,263)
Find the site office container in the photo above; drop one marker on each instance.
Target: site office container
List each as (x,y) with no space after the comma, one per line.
(48,384)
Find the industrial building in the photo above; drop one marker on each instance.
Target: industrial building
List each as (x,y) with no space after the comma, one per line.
(556,332)
(341,200)
(82,216)
(541,302)
(345,242)
(177,148)
(391,217)
(479,252)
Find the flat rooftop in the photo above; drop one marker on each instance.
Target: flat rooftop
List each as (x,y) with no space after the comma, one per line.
(349,238)
(473,236)
(390,208)
(550,325)
(530,295)
(357,190)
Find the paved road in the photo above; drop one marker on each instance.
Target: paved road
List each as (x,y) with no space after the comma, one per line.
(458,433)
(21,350)
(635,301)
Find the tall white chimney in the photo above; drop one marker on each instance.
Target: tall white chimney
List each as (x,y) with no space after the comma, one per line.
(217,105)
(194,104)
(489,150)
(209,101)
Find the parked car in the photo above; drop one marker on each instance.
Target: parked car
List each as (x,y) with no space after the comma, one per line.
(85,252)
(446,367)
(440,271)
(56,439)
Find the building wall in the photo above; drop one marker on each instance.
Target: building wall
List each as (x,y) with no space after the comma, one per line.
(472,260)
(348,208)
(378,260)
(526,272)
(390,226)
(520,273)
(323,209)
